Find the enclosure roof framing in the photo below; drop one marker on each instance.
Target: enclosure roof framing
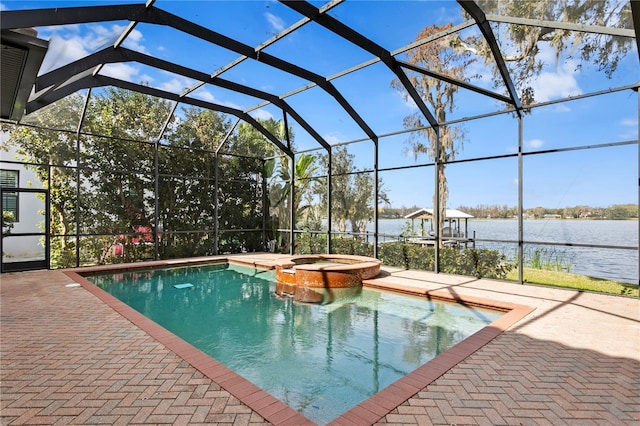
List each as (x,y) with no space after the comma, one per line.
(476,13)
(596,29)
(359,40)
(92,81)
(635,13)
(313,27)
(112,54)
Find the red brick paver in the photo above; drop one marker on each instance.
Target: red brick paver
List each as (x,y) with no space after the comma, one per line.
(68,358)
(574,360)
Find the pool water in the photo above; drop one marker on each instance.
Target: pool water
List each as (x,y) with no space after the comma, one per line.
(321,360)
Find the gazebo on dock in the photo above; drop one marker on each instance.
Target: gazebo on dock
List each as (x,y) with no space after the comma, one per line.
(452,227)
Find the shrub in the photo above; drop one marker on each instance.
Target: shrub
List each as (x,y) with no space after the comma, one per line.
(480,263)
(310,243)
(351,246)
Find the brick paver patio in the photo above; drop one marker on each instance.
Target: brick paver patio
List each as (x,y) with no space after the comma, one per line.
(67,357)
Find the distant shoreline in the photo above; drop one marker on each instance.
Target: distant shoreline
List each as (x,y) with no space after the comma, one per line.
(527,218)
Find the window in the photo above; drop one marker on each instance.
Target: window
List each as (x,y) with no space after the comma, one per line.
(10,179)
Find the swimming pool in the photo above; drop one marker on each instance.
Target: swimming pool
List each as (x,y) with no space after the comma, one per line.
(320,360)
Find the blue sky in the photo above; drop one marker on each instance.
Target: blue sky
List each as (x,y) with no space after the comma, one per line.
(598,177)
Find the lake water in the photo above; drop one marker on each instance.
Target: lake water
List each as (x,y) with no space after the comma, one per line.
(607,263)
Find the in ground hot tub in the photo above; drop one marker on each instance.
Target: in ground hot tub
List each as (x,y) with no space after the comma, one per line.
(313,278)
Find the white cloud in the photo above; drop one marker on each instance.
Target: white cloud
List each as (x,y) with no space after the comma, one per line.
(68,43)
(98,36)
(134,41)
(407,101)
(333,138)
(530,144)
(630,135)
(261,114)
(557,85)
(204,95)
(276,22)
(236,106)
(62,52)
(561,108)
(175,85)
(102,33)
(534,143)
(146,78)
(120,71)
(446,15)
(483,75)
(558,77)
(50,31)
(630,129)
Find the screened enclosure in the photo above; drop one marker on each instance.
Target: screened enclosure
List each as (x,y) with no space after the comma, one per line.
(173,129)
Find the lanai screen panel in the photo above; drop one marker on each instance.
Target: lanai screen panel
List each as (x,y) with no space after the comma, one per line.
(342,74)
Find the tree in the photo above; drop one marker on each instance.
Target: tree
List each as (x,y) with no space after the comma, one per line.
(278,171)
(352,192)
(450,56)
(187,193)
(241,190)
(280,189)
(186,183)
(622,211)
(117,179)
(527,41)
(303,179)
(443,57)
(117,172)
(362,201)
(8,220)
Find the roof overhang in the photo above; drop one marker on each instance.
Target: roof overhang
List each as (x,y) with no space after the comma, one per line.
(20,59)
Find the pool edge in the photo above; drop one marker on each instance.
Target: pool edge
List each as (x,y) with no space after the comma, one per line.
(266,405)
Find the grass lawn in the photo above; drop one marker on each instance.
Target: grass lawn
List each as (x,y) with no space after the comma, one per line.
(574,281)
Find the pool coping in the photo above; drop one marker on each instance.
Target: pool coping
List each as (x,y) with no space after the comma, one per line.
(266,405)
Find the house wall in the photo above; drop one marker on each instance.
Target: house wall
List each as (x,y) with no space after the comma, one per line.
(30,212)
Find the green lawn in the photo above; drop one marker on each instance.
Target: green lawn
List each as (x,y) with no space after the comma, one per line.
(574,281)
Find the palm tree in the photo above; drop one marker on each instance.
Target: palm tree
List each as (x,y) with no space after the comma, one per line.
(304,170)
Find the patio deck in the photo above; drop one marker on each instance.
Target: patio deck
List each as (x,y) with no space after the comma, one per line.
(67,357)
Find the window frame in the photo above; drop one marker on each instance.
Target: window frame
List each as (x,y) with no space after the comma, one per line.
(6,195)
